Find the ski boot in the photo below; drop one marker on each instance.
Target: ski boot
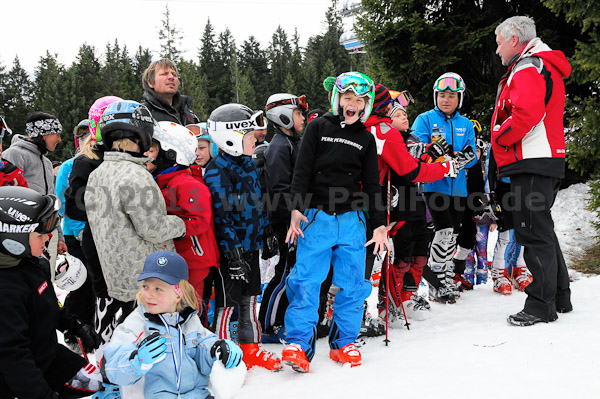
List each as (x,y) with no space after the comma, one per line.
(346,355)
(441,295)
(254,356)
(502,284)
(462,283)
(372,326)
(523,319)
(520,278)
(294,356)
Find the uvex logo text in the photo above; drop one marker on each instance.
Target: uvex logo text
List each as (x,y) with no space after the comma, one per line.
(240,125)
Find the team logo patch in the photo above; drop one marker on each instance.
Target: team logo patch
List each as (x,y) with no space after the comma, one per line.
(42,287)
(162,261)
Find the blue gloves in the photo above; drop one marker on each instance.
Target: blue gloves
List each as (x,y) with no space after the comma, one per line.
(150,350)
(229,353)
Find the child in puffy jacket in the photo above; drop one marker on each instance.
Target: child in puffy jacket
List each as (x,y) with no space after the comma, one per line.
(161,349)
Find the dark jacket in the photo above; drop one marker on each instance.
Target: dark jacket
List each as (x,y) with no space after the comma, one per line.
(336,161)
(280,159)
(82,167)
(235,188)
(179,112)
(29,318)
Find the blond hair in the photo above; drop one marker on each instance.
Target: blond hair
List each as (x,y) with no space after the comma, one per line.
(87,148)
(188,296)
(125,145)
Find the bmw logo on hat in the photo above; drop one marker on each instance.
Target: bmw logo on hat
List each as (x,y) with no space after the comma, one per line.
(162,261)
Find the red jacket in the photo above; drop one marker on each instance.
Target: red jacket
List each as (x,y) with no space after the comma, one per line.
(10,175)
(528,133)
(188,198)
(392,152)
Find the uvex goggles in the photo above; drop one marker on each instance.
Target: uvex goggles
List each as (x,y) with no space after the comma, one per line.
(197,129)
(403,98)
(256,121)
(357,84)
(299,101)
(449,83)
(81,131)
(4,129)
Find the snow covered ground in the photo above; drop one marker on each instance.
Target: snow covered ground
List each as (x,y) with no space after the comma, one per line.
(468,350)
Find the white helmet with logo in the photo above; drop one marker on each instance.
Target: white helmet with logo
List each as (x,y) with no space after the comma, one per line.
(228,124)
(70,272)
(178,142)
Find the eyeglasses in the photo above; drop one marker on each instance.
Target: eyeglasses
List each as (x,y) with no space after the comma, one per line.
(199,129)
(256,122)
(357,84)
(449,83)
(299,101)
(4,127)
(403,98)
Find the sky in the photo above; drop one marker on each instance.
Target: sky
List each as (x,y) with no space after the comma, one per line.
(31,27)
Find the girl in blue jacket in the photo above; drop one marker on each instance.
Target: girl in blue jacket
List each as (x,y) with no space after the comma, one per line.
(161,349)
(446,198)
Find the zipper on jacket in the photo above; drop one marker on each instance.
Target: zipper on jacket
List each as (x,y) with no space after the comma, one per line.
(44,173)
(452,133)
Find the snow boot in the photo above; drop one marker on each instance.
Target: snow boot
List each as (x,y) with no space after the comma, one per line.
(294,356)
(520,278)
(523,319)
(502,284)
(254,356)
(346,355)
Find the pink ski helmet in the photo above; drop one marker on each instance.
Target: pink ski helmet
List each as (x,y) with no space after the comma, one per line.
(95,113)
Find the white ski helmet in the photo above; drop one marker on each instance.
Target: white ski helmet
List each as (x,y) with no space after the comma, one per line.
(280,108)
(178,142)
(70,272)
(228,124)
(449,81)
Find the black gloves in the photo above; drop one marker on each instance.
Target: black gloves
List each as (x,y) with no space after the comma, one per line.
(465,156)
(228,352)
(270,243)
(437,149)
(238,267)
(89,339)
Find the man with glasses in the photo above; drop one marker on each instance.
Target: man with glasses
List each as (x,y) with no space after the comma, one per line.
(528,144)
(161,94)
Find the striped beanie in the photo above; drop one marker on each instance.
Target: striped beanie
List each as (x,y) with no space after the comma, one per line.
(382,97)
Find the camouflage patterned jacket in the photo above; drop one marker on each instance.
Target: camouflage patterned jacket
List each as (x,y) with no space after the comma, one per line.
(129,221)
(235,188)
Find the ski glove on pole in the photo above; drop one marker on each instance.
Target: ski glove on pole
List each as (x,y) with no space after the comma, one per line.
(465,156)
(228,352)
(238,267)
(270,244)
(89,339)
(451,168)
(150,350)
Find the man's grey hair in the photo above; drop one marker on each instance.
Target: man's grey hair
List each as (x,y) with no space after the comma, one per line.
(521,26)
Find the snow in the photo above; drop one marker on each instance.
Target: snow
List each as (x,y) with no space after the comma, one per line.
(468,350)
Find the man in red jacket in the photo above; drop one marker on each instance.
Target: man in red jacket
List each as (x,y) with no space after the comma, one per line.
(528,143)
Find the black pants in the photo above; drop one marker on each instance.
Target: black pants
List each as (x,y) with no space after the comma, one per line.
(82,301)
(274,300)
(534,230)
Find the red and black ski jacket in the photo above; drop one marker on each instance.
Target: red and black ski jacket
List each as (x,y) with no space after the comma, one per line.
(10,175)
(188,197)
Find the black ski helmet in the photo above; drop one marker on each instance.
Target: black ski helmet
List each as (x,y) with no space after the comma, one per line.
(24,211)
(127,120)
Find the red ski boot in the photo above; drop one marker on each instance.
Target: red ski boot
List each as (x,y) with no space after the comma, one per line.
(502,284)
(294,356)
(254,356)
(346,355)
(520,278)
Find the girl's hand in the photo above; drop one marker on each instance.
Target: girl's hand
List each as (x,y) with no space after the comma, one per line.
(380,238)
(294,231)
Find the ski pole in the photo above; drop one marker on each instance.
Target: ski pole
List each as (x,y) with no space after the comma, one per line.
(387,262)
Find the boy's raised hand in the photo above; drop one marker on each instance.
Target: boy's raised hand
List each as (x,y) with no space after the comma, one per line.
(294,231)
(380,238)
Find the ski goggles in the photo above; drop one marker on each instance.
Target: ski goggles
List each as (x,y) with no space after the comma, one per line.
(4,129)
(256,122)
(403,98)
(481,144)
(49,217)
(298,101)
(449,83)
(199,129)
(81,131)
(357,84)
